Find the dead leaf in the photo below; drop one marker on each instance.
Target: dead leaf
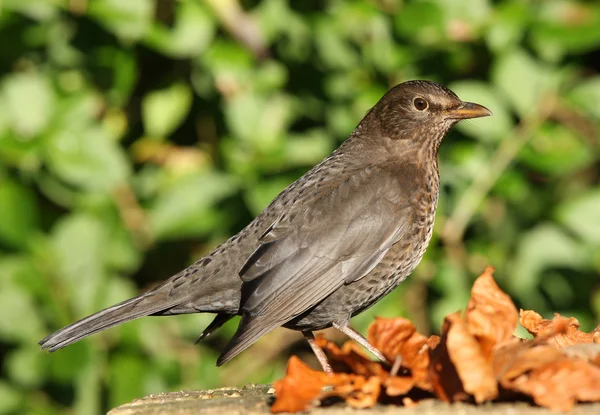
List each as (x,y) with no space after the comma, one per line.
(351,356)
(299,388)
(459,366)
(357,391)
(558,385)
(526,357)
(398,337)
(561,331)
(398,385)
(491,315)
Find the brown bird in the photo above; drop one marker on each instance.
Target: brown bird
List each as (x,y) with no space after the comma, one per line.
(330,245)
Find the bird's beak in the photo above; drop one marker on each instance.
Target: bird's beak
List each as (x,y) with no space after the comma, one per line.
(468,110)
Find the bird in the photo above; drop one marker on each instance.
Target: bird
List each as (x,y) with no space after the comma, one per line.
(329,246)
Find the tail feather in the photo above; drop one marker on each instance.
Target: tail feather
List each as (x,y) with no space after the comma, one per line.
(132,309)
(248,332)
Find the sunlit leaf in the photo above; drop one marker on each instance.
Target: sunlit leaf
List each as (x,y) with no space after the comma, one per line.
(164,110)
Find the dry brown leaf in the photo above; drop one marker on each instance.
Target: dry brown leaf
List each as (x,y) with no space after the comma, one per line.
(491,315)
(459,365)
(299,388)
(389,335)
(398,337)
(561,331)
(559,384)
(398,385)
(586,351)
(527,357)
(475,356)
(351,356)
(357,391)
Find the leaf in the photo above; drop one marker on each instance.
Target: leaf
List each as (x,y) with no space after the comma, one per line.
(10,398)
(491,315)
(24,323)
(459,365)
(398,338)
(29,101)
(542,247)
(78,242)
(564,27)
(349,357)
(164,110)
(186,205)
(560,331)
(190,35)
(580,214)
(26,367)
(525,90)
(19,213)
(129,20)
(298,389)
(559,384)
(556,151)
(585,96)
(87,158)
(423,21)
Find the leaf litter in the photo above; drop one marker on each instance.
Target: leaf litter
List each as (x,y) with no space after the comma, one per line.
(476,359)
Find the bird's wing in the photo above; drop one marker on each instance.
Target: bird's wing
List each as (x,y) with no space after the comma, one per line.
(338,237)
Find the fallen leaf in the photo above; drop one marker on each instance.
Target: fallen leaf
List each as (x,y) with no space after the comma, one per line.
(491,315)
(350,357)
(561,331)
(398,338)
(559,384)
(357,391)
(299,388)
(459,366)
(526,357)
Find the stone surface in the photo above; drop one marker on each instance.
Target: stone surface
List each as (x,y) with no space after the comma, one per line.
(254,399)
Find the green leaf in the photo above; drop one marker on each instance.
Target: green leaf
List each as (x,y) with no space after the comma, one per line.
(164,110)
(422,22)
(566,27)
(490,128)
(522,79)
(24,324)
(87,158)
(190,35)
(184,206)
(19,213)
(29,100)
(508,25)
(79,242)
(26,366)
(582,216)
(557,150)
(258,120)
(129,20)
(127,375)
(586,96)
(543,247)
(10,399)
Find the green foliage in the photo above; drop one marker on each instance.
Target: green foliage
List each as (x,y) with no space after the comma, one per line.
(136,135)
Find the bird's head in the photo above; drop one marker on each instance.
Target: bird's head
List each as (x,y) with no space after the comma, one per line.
(422,111)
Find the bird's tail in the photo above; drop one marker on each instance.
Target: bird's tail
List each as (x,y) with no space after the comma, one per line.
(143,305)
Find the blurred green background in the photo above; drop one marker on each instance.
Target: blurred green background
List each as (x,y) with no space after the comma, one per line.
(135,135)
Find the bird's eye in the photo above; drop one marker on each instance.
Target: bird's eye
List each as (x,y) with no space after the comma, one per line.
(420,104)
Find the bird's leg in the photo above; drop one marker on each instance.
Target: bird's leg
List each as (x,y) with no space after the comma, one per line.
(310,338)
(357,337)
